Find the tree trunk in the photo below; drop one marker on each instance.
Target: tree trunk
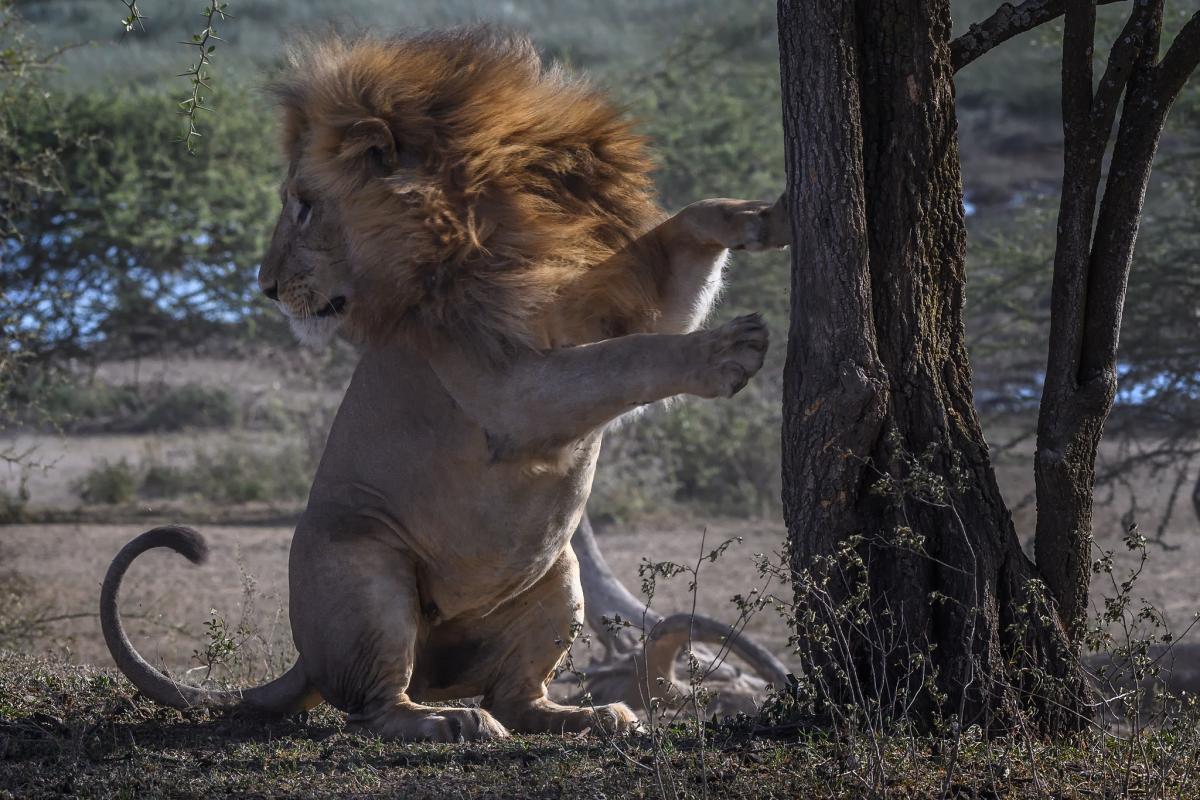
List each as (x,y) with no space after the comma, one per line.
(883,450)
(1093,256)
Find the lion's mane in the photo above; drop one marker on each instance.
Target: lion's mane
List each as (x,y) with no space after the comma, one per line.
(516,185)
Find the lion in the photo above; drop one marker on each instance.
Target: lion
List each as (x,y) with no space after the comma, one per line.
(485,229)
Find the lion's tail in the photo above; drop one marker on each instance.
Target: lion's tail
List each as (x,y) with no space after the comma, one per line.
(286,694)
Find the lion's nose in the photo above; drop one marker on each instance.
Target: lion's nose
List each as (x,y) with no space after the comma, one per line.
(272,291)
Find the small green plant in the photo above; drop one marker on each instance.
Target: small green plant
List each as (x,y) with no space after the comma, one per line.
(222,644)
(109,483)
(1133,641)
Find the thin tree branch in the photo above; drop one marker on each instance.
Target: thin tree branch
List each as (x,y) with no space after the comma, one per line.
(1065,439)
(1006,22)
(1079,35)
(1142,120)
(1081,180)
(1180,61)
(135,18)
(1125,51)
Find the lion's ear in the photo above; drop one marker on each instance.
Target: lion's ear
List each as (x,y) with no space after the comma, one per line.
(370,144)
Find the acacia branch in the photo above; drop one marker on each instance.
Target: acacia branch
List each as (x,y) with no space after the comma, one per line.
(1129,48)
(135,17)
(1005,22)
(1093,257)
(1142,121)
(1180,61)
(1082,154)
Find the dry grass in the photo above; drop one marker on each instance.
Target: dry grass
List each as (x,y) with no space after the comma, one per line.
(81,732)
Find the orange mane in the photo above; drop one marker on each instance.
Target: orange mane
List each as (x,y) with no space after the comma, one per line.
(516,187)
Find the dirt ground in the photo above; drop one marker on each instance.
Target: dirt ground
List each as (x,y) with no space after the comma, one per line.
(167,601)
(58,570)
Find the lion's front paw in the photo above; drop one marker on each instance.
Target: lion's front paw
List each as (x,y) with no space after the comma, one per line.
(544,716)
(751,225)
(412,723)
(730,355)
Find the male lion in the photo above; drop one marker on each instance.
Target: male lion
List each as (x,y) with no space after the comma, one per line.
(485,229)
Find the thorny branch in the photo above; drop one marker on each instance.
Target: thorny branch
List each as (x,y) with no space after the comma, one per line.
(134,17)
(197,73)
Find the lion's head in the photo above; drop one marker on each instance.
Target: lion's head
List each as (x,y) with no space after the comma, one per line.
(447,187)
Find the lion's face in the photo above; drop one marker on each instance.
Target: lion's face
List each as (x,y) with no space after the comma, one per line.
(306,270)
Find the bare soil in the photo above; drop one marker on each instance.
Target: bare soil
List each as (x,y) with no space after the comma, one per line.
(57,570)
(166,601)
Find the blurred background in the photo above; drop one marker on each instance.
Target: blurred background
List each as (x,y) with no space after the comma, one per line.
(145,380)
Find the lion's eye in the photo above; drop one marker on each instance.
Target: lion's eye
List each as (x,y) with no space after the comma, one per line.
(303,211)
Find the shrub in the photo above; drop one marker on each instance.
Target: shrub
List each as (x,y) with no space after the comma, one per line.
(239,475)
(108,482)
(155,247)
(91,406)
(161,481)
(232,475)
(74,404)
(190,406)
(634,476)
(13,504)
(720,458)
(725,457)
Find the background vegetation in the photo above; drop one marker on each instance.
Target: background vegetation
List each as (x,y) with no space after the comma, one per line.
(129,247)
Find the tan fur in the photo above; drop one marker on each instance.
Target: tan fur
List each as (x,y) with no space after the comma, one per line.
(466,216)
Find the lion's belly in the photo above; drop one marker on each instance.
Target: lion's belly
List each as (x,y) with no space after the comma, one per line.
(479,530)
(501,539)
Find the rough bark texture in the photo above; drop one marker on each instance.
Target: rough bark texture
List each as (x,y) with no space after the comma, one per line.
(836,395)
(1093,257)
(881,439)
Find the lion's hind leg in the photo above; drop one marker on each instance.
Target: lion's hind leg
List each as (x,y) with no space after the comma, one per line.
(356,621)
(536,629)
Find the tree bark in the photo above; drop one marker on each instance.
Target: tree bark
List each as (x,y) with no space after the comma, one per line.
(883,450)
